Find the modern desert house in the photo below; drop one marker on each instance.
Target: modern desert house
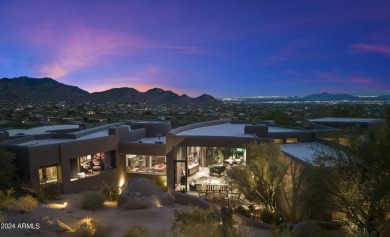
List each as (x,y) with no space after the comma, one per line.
(78,158)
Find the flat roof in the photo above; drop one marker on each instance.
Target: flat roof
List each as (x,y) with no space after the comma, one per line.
(44,142)
(38,142)
(103,133)
(347,120)
(41,130)
(230,130)
(303,151)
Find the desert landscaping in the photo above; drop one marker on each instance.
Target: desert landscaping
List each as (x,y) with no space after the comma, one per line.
(65,216)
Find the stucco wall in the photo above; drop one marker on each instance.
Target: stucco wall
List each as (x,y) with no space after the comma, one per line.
(93,182)
(152,128)
(142,149)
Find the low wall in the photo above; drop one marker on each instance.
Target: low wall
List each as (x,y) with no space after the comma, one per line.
(151,176)
(184,199)
(91,183)
(199,125)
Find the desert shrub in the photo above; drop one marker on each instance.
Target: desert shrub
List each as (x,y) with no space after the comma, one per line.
(196,222)
(243,211)
(137,231)
(267,216)
(41,192)
(6,197)
(23,204)
(52,192)
(110,191)
(161,183)
(2,218)
(89,227)
(92,201)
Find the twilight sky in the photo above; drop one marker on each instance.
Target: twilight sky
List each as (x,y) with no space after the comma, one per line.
(222,48)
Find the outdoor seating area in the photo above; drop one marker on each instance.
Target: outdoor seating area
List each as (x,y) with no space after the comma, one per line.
(221,197)
(217,170)
(212,185)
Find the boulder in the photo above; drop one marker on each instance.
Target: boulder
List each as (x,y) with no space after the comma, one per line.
(55,225)
(307,229)
(140,193)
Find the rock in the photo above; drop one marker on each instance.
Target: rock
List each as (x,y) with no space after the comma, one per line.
(55,225)
(285,225)
(307,229)
(142,193)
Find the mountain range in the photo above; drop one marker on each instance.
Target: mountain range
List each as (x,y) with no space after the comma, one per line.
(327,97)
(48,89)
(324,96)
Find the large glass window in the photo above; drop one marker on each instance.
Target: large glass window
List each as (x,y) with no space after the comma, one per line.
(48,175)
(146,164)
(205,166)
(93,164)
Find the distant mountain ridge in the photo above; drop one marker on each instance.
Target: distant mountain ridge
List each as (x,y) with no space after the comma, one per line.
(324,96)
(48,89)
(328,96)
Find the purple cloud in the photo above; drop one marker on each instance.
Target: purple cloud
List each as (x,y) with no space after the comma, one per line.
(296,49)
(371,48)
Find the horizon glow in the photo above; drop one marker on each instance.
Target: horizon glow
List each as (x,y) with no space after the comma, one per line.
(221,48)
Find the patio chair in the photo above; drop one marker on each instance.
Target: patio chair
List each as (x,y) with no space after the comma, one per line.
(202,195)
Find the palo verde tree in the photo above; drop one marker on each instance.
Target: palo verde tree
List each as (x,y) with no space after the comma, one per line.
(354,175)
(262,175)
(7,169)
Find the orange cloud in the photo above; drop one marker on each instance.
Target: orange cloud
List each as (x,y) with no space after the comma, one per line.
(85,47)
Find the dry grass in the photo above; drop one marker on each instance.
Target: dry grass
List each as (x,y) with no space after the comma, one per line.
(2,218)
(92,201)
(23,204)
(89,227)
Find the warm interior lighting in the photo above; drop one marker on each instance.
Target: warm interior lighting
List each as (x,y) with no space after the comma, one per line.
(65,204)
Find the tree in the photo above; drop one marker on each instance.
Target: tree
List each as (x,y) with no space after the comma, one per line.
(262,175)
(7,169)
(355,176)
